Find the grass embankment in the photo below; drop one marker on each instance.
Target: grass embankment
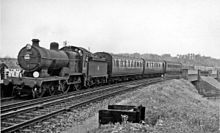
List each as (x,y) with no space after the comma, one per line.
(172,106)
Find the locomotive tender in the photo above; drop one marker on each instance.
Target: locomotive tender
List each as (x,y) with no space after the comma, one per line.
(57,70)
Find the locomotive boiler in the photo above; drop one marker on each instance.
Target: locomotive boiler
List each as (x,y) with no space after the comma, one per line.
(41,62)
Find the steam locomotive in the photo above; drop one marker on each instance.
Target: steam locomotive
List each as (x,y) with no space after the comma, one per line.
(54,70)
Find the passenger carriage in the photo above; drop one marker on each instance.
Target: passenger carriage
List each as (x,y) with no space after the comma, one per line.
(154,68)
(173,69)
(121,67)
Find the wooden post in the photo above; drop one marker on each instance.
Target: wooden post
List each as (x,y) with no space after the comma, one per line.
(185,73)
(218,73)
(199,74)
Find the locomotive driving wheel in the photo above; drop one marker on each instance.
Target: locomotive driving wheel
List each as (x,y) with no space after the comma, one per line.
(77,87)
(38,92)
(52,90)
(64,87)
(16,92)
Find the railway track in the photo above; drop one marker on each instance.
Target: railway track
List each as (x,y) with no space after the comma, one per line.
(6,99)
(13,99)
(27,103)
(24,116)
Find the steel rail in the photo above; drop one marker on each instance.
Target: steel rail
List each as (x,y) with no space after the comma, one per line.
(6,99)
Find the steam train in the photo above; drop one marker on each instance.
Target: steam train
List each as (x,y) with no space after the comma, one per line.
(54,70)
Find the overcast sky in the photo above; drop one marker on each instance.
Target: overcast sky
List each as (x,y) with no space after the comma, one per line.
(117,26)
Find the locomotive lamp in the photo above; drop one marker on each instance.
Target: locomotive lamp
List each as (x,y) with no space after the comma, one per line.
(28,46)
(36,74)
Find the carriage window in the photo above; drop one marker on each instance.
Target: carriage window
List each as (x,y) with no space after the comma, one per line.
(121,63)
(117,63)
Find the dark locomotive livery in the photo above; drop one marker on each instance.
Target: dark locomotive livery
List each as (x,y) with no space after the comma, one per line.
(57,70)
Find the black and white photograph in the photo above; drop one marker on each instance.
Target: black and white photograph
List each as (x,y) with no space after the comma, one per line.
(110,66)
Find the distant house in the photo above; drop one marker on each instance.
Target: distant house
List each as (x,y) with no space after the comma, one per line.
(7,71)
(10,62)
(3,67)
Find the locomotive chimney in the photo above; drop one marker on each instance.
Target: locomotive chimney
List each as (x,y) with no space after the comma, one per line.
(35,42)
(54,46)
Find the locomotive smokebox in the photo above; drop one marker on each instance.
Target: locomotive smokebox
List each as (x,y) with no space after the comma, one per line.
(35,42)
(54,46)
(38,58)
